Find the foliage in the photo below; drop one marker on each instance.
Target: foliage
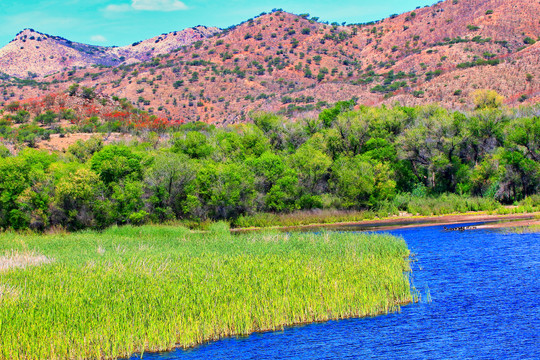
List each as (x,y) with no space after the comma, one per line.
(487,99)
(344,159)
(116,162)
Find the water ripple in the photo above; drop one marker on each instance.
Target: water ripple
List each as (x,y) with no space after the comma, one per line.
(484,289)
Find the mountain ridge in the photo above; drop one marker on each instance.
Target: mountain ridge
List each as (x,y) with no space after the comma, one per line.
(295,65)
(67,53)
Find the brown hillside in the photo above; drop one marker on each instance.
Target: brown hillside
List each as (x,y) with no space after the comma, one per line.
(33,54)
(295,65)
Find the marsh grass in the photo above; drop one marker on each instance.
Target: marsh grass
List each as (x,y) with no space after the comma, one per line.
(304,217)
(527,205)
(444,204)
(136,289)
(447,204)
(524,229)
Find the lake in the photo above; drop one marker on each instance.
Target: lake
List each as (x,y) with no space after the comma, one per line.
(480,298)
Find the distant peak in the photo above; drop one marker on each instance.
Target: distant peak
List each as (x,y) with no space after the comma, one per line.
(29,31)
(30,34)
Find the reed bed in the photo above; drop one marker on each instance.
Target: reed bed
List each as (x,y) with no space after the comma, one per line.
(138,289)
(303,217)
(531,229)
(444,204)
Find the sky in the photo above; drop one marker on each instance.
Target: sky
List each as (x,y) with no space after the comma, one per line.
(122,22)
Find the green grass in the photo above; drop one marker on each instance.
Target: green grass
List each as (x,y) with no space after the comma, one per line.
(527,205)
(129,290)
(444,204)
(535,228)
(304,217)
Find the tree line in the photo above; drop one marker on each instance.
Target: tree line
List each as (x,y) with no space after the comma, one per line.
(346,158)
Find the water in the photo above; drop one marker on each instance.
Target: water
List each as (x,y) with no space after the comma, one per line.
(480,294)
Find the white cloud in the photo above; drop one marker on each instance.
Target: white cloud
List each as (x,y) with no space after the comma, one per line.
(147,5)
(118,8)
(98,38)
(158,5)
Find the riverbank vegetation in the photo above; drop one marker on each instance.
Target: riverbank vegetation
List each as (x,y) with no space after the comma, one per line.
(403,203)
(133,289)
(531,229)
(361,161)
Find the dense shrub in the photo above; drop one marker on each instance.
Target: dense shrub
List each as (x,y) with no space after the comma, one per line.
(369,161)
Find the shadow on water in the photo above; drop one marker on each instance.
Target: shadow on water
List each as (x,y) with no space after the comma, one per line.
(480,298)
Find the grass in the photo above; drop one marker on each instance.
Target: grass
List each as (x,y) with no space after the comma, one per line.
(21,260)
(131,290)
(531,229)
(417,206)
(445,204)
(304,217)
(527,205)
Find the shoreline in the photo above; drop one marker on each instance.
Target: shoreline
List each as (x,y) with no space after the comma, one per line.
(198,287)
(397,304)
(407,221)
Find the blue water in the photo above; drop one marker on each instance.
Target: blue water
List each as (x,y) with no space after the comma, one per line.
(480,294)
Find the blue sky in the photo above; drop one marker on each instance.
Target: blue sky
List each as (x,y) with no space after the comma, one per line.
(122,22)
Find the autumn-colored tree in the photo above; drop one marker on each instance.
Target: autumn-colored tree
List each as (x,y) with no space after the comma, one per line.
(487,99)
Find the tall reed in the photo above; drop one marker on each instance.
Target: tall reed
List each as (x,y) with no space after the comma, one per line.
(131,290)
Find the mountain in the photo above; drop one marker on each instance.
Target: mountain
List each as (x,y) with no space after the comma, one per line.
(34,54)
(295,65)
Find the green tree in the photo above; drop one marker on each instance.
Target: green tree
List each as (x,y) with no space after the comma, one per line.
(312,166)
(272,127)
(353,180)
(485,177)
(193,143)
(484,132)
(227,190)
(521,157)
(349,134)
(228,145)
(268,169)
(283,195)
(25,187)
(21,117)
(88,93)
(77,197)
(116,162)
(432,145)
(83,150)
(47,118)
(170,183)
(72,90)
(524,133)
(327,116)
(127,199)
(253,141)
(14,179)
